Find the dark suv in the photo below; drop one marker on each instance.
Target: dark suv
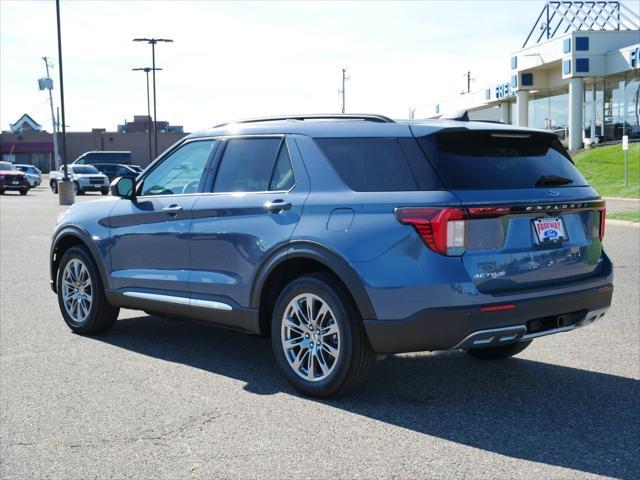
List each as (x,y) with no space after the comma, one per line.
(346,237)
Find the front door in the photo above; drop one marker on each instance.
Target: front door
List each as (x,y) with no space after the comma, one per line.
(149,246)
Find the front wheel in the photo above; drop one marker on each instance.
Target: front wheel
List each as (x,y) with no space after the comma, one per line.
(503,351)
(81,298)
(318,337)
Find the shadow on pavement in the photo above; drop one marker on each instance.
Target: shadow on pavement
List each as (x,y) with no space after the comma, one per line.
(550,414)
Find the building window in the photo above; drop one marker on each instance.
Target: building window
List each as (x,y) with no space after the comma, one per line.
(487,94)
(582,44)
(527,79)
(514,62)
(514,81)
(566,45)
(437,108)
(566,67)
(582,65)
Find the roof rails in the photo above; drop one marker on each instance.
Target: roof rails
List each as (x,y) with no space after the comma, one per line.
(334,116)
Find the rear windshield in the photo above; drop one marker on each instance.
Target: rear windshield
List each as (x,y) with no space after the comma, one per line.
(496,160)
(84,169)
(379,164)
(108,157)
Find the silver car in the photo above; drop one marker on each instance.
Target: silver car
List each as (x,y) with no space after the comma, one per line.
(86,178)
(34,175)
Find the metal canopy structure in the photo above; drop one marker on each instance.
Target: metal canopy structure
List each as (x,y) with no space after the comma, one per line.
(559,17)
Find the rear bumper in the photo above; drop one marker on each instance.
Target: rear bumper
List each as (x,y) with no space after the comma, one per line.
(469,327)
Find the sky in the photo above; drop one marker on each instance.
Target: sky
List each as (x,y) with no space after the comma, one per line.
(233,60)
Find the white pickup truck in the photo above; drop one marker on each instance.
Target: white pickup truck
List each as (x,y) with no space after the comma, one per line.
(86,178)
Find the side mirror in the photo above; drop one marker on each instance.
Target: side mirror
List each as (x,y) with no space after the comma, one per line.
(123,187)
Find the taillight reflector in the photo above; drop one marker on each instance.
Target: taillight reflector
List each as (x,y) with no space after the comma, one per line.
(443,230)
(497,308)
(603,218)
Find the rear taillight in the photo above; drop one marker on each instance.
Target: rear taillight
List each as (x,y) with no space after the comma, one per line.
(603,217)
(443,230)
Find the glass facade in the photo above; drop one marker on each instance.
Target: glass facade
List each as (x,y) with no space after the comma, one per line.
(616,110)
(549,111)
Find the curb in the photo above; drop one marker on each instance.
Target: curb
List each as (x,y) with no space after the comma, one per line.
(624,199)
(623,223)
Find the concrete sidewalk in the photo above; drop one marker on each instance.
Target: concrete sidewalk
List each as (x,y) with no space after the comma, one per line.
(618,205)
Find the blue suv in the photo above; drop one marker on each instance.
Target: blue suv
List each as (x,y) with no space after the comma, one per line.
(344,238)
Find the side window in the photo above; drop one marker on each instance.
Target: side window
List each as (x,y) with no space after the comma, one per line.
(246,165)
(180,172)
(282,178)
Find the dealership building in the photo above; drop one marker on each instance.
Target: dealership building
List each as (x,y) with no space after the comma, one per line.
(577,74)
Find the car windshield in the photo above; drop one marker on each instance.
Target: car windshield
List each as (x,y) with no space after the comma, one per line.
(84,169)
(7,166)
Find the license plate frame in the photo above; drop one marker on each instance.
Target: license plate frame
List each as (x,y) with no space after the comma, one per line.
(550,230)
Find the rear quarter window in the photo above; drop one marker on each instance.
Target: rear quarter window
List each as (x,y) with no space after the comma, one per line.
(379,164)
(498,159)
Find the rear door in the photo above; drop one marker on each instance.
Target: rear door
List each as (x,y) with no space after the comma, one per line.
(257,187)
(150,248)
(533,219)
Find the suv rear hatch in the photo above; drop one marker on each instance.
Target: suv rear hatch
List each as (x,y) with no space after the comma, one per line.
(532,220)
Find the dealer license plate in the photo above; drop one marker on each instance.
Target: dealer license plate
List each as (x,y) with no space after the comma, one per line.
(550,230)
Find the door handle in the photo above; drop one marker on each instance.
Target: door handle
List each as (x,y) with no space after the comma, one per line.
(172,210)
(277,206)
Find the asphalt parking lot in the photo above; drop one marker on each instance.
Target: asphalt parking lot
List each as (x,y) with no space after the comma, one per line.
(156,398)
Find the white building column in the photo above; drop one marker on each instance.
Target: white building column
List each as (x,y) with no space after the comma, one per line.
(505,108)
(522,107)
(576,101)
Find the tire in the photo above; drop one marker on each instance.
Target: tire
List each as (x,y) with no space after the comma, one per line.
(76,189)
(352,358)
(24,191)
(105,192)
(1,192)
(54,187)
(100,315)
(503,351)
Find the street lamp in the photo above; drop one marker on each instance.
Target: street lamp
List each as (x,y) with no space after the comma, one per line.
(153,42)
(147,70)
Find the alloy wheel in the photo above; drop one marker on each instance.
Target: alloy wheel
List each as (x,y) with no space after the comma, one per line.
(77,290)
(310,337)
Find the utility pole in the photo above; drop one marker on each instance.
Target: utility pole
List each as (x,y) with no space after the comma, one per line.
(152,42)
(48,85)
(342,92)
(469,80)
(147,70)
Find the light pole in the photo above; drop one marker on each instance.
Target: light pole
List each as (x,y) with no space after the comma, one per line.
(153,42)
(65,187)
(147,70)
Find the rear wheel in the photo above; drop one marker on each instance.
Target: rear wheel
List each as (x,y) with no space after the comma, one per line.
(318,338)
(105,191)
(23,191)
(1,191)
(81,298)
(503,351)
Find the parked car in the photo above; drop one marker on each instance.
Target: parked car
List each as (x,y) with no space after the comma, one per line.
(12,179)
(115,170)
(89,158)
(344,238)
(86,178)
(34,175)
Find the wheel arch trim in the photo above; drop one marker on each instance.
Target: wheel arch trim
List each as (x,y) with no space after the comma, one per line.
(322,254)
(83,236)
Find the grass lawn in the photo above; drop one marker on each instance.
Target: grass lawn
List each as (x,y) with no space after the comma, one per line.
(630,216)
(603,167)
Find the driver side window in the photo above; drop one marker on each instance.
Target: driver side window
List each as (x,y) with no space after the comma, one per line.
(180,172)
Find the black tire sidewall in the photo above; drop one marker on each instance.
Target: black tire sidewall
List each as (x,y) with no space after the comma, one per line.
(341,311)
(79,253)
